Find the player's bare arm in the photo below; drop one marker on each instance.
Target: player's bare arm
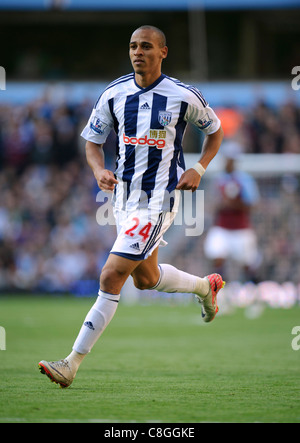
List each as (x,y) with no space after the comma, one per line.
(96,160)
(211,146)
(190,179)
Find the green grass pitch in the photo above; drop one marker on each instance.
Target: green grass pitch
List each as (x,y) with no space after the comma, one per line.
(154,363)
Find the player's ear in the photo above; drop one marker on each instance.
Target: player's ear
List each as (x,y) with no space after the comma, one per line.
(164,52)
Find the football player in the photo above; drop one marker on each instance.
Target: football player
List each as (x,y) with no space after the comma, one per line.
(149,112)
(232,235)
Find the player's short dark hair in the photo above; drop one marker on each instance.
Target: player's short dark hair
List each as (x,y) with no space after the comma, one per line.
(162,37)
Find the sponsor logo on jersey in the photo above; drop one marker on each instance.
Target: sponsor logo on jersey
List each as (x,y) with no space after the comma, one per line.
(158,143)
(98,126)
(164,117)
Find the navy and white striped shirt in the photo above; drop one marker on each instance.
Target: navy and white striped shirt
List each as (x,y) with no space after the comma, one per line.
(150,124)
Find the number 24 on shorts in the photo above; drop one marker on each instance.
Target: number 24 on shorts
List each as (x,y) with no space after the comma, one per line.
(144,232)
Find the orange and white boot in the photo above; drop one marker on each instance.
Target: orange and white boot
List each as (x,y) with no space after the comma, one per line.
(209,302)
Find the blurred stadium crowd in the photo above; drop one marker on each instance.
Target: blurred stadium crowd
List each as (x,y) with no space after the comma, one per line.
(49,237)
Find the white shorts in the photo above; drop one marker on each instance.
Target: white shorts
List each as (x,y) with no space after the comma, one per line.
(140,232)
(238,244)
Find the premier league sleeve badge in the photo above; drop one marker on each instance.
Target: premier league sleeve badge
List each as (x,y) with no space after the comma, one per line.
(98,126)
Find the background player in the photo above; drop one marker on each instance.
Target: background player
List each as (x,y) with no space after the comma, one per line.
(149,113)
(232,236)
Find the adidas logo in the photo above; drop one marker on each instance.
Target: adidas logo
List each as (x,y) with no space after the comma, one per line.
(135,246)
(89,325)
(145,106)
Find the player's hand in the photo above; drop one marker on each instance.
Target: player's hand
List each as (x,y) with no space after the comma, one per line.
(106,180)
(189,181)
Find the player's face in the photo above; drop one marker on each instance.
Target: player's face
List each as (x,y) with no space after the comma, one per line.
(146,53)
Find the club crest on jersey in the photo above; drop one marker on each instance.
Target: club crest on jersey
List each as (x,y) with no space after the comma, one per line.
(204,122)
(98,126)
(164,117)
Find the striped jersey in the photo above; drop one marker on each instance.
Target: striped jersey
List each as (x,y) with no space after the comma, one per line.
(149,124)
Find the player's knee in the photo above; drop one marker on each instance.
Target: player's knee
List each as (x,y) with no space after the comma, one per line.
(111,280)
(144,282)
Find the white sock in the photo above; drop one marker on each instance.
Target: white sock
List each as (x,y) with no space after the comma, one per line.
(174,280)
(96,321)
(75,360)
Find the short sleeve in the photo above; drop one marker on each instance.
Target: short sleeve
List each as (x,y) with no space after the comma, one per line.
(100,122)
(200,114)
